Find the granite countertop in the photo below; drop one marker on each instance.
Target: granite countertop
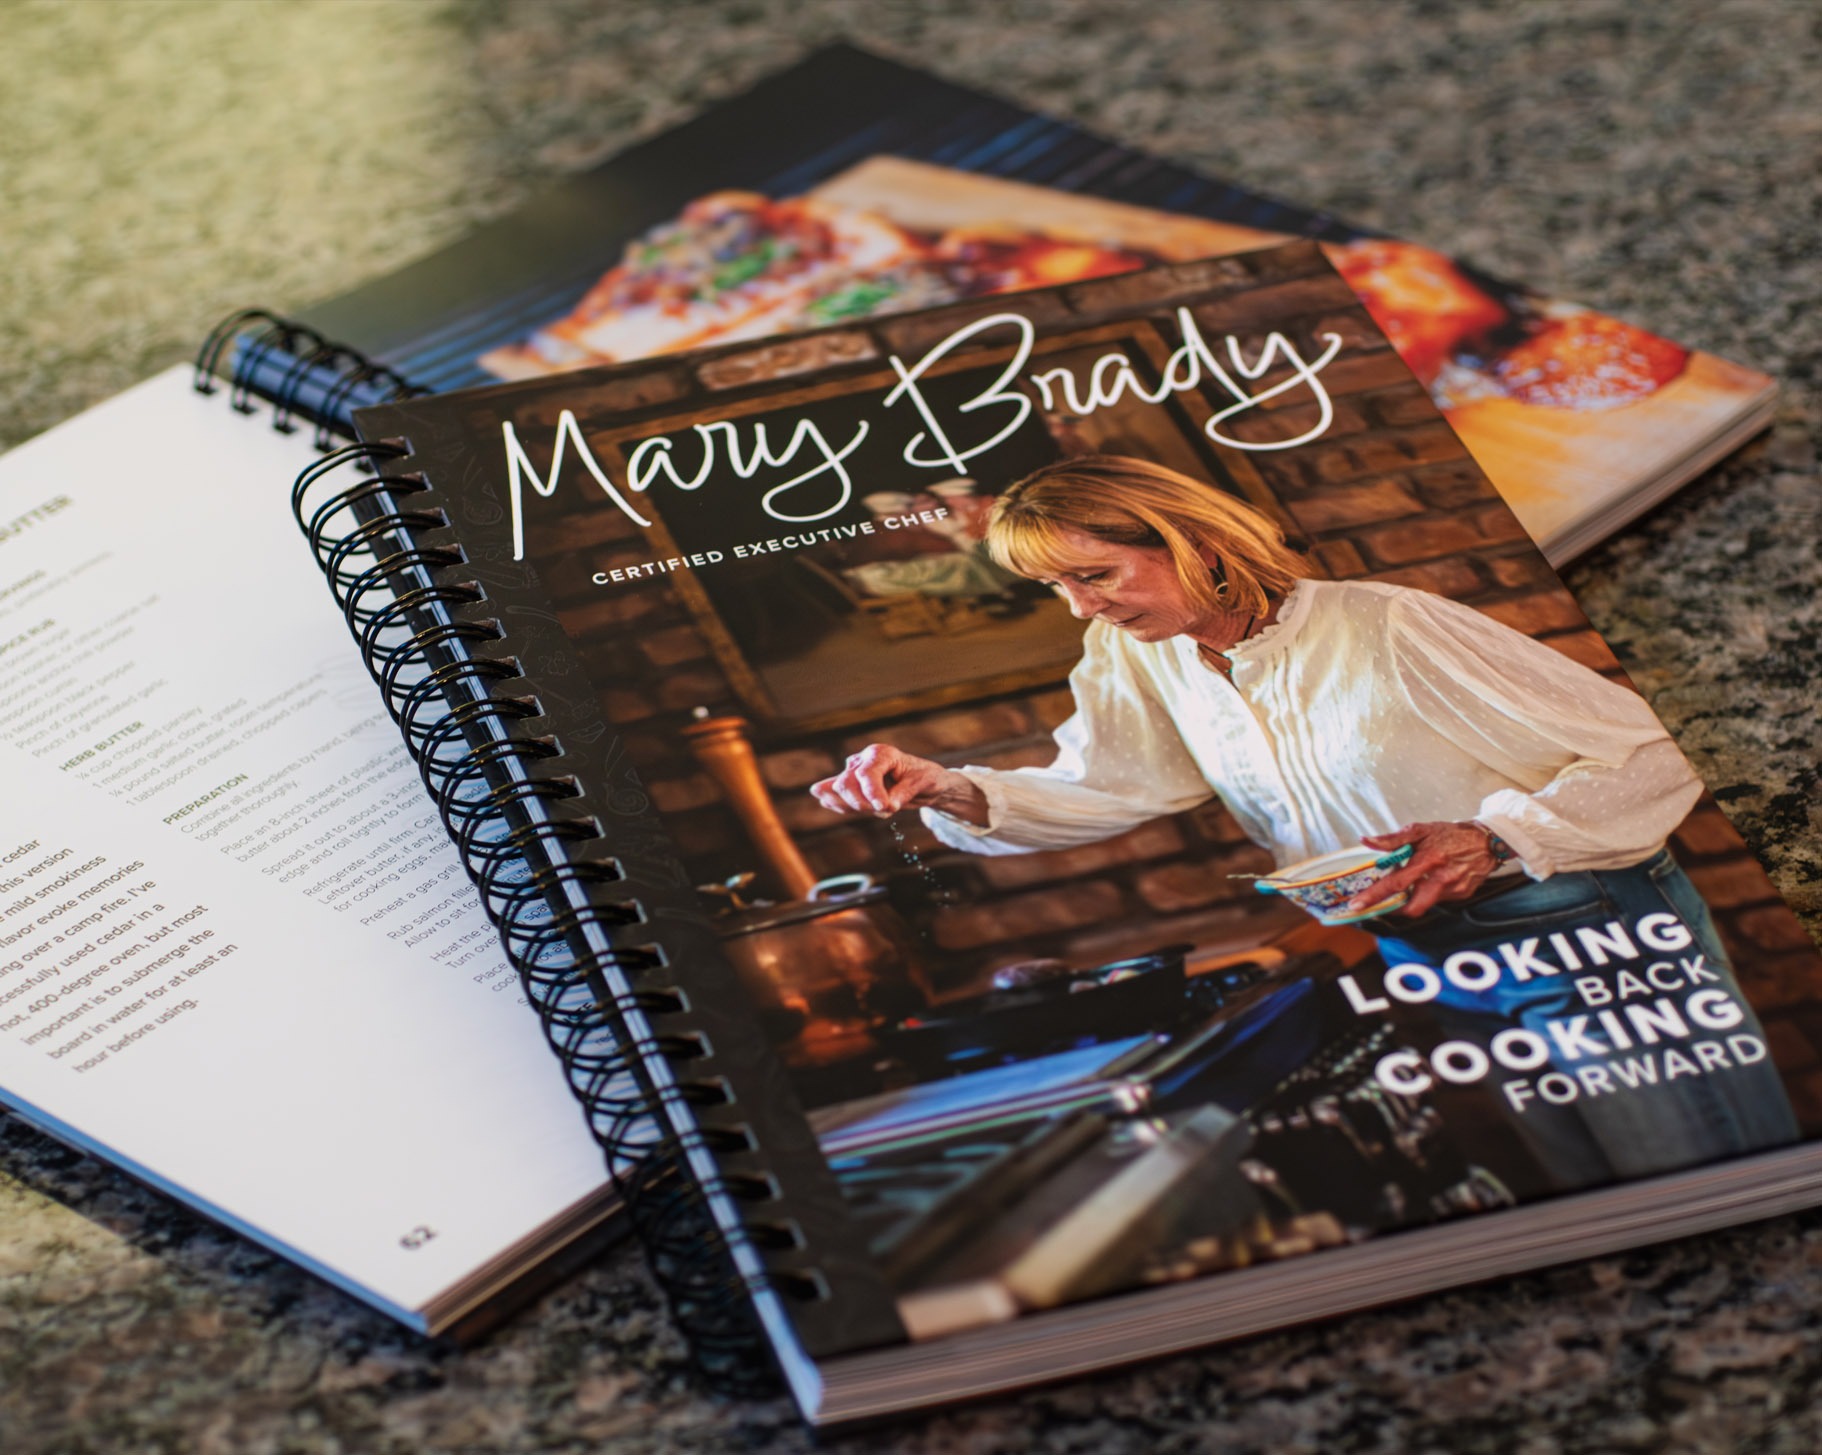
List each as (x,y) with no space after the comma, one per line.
(162,163)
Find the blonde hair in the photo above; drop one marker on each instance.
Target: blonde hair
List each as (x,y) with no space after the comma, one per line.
(1133,502)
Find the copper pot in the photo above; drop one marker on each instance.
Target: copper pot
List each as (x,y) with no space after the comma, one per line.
(828,969)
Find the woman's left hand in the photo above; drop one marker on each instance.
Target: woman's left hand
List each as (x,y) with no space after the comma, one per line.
(1451,861)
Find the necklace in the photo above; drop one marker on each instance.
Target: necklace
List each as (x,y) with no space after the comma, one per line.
(1220,661)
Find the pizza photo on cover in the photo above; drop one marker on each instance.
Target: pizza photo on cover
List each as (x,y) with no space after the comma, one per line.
(1548,395)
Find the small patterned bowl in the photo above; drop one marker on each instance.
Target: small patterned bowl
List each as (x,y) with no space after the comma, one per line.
(1324,884)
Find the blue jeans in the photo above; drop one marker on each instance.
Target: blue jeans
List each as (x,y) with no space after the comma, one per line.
(1590,1113)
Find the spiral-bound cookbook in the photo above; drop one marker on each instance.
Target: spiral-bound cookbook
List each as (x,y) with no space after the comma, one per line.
(296,1028)
(1065,827)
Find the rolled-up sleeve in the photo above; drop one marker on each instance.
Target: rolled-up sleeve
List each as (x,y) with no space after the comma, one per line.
(1601,784)
(1120,761)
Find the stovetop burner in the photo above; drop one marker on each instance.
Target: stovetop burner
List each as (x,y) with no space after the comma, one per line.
(1141,995)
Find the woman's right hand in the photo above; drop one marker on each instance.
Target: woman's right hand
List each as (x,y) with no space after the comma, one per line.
(883,780)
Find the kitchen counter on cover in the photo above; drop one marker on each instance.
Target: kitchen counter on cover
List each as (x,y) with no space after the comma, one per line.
(162,163)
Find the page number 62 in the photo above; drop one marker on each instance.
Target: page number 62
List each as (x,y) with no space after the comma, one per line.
(417,1237)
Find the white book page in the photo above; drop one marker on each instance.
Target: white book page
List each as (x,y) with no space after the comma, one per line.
(237,954)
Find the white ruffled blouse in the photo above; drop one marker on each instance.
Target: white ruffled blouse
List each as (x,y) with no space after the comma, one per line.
(1364,707)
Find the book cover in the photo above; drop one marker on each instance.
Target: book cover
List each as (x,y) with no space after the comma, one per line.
(1151,593)
(897,190)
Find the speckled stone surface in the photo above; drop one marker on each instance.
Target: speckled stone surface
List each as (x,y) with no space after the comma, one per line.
(162,163)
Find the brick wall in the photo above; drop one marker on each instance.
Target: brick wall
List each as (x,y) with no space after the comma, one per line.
(1387,493)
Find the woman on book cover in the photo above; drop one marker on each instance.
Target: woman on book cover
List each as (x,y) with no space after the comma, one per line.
(1536,795)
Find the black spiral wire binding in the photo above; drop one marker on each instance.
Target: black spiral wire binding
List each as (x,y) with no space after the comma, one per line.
(547,886)
(242,344)
(445,694)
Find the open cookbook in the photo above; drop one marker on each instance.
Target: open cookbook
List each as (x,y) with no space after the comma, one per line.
(1093,827)
(238,957)
(180,702)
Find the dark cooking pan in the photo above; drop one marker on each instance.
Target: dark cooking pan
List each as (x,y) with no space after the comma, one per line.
(1127,998)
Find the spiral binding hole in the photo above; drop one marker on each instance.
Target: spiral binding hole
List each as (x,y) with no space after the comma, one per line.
(728,1141)
(678,1049)
(805,1286)
(711,1091)
(777,1237)
(751,1186)
(640,959)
